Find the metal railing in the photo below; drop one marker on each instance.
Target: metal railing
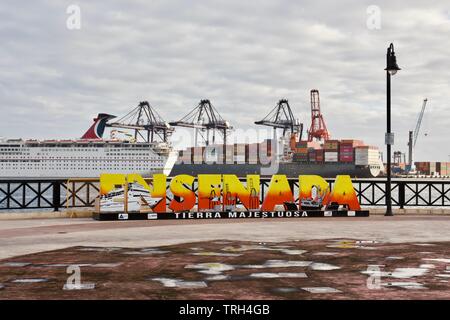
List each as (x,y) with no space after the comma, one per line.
(78,193)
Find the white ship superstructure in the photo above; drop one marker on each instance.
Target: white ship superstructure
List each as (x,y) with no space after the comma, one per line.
(87,157)
(82,158)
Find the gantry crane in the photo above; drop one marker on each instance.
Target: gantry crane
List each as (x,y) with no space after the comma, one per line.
(144,118)
(413,135)
(203,118)
(281,117)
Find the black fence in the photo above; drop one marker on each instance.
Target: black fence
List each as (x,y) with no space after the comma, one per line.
(78,193)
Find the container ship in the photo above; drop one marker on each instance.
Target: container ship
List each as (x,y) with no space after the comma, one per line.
(327,159)
(86,157)
(290,155)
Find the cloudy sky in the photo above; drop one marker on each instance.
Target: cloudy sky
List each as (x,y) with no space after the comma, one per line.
(242,55)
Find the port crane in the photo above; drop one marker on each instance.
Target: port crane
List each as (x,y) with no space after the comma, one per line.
(204,117)
(318,129)
(146,123)
(281,117)
(413,135)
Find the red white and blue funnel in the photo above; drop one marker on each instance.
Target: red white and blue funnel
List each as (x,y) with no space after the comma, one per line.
(98,128)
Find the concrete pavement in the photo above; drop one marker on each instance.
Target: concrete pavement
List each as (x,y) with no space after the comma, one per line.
(19,237)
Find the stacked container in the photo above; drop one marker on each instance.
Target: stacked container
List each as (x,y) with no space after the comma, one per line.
(331,150)
(301,151)
(311,155)
(197,153)
(265,151)
(239,153)
(252,153)
(320,155)
(445,168)
(346,150)
(366,155)
(423,167)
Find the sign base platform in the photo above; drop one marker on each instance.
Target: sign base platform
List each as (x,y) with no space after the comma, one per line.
(113,216)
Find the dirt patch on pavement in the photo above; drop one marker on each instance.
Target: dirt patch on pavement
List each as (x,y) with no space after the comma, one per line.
(222,269)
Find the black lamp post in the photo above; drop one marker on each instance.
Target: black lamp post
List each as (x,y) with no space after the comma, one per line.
(391,69)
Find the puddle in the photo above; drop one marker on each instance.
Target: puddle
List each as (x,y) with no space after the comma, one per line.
(323,266)
(281,247)
(210,268)
(405,285)
(16,264)
(427,266)
(285,290)
(54,265)
(292,251)
(443,275)
(402,273)
(321,290)
(325,253)
(107,249)
(409,272)
(222,242)
(247,248)
(81,286)
(30,280)
(285,264)
(424,244)
(279,275)
(252,266)
(394,258)
(147,252)
(196,249)
(218,277)
(438,260)
(107,265)
(366,241)
(218,254)
(176,283)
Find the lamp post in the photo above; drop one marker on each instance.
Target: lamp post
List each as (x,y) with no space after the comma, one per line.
(391,69)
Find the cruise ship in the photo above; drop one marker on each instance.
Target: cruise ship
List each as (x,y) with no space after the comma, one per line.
(87,157)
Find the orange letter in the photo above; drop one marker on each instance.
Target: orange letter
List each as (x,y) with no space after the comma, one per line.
(159,191)
(279,192)
(178,188)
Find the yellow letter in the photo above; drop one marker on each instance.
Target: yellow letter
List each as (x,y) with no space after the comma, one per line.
(234,189)
(344,193)
(209,190)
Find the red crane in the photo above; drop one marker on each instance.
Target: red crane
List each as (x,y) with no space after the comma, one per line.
(318,128)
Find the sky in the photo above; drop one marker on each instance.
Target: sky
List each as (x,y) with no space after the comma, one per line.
(58,69)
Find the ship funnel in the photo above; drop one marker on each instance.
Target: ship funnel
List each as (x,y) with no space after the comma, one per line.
(98,128)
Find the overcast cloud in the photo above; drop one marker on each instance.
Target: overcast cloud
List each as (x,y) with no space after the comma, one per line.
(242,55)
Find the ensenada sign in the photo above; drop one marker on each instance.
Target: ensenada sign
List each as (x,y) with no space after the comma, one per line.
(129,197)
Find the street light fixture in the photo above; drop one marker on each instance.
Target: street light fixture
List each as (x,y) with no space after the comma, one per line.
(391,69)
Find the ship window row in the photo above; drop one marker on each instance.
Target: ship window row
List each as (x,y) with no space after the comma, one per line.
(86,162)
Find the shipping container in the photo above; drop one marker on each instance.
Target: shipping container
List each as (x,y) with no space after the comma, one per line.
(331,156)
(300,157)
(366,155)
(331,145)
